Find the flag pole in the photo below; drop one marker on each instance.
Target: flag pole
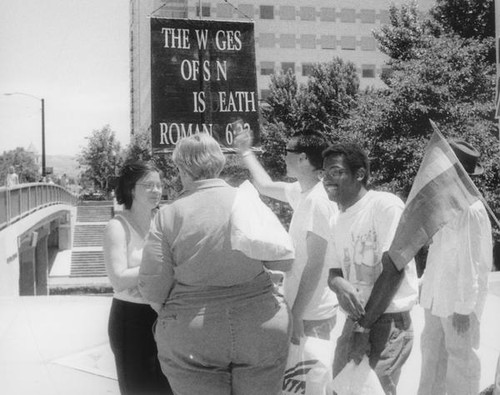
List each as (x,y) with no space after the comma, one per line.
(497,61)
(481,197)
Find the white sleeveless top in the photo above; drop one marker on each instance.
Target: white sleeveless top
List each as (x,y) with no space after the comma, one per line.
(135,246)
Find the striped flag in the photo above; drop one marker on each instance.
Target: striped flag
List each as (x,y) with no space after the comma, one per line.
(442,189)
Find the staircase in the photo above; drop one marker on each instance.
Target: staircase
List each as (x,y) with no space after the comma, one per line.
(87,272)
(88,235)
(87,259)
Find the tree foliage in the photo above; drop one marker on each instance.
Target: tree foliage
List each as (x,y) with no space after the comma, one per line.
(437,75)
(404,36)
(139,147)
(466,18)
(326,98)
(101,159)
(24,163)
(284,102)
(329,94)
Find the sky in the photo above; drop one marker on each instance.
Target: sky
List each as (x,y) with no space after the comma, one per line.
(75,55)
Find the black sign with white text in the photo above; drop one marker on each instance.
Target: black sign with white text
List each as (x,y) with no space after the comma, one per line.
(202,80)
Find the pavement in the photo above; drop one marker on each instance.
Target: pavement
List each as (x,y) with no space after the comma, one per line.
(58,345)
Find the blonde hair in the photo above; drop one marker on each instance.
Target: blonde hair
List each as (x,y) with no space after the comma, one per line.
(200,156)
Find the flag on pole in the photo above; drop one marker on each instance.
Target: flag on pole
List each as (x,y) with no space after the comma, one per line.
(442,189)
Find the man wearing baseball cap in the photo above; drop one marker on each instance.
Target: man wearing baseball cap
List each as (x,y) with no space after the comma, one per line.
(454,288)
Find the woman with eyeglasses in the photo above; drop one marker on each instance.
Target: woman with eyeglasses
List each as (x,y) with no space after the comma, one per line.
(131,319)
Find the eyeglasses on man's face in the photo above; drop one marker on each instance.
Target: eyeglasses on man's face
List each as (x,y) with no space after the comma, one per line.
(334,172)
(150,185)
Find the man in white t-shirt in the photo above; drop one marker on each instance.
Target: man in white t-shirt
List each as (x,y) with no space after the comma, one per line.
(305,287)
(376,297)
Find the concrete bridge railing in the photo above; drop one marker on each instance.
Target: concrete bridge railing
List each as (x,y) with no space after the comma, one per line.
(24,199)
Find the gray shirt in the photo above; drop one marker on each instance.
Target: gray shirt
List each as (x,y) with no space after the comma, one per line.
(190,245)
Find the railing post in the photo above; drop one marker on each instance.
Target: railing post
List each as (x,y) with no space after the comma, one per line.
(9,214)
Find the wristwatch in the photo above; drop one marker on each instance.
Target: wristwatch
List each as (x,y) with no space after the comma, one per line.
(360,329)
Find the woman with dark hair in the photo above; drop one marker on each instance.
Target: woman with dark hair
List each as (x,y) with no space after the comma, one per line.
(131,319)
(222,327)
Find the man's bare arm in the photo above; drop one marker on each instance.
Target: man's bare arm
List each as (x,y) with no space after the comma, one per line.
(260,178)
(383,291)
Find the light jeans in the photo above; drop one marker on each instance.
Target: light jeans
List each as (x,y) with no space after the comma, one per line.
(236,348)
(450,362)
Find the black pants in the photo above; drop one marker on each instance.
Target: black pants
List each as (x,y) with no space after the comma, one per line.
(130,330)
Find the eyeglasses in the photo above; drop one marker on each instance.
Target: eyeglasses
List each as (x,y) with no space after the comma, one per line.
(150,185)
(295,151)
(335,172)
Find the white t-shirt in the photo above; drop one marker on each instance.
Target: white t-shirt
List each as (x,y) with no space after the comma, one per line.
(362,233)
(313,212)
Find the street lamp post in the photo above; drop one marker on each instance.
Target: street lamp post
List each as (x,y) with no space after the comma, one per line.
(42,100)
(43,137)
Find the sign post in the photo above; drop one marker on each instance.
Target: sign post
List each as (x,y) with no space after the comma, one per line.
(203,80)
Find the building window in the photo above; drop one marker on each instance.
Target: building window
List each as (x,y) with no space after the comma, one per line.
(174,10)
(308,41)
(224,10)
(368,44)
(384,16)
(267,40)
(328,42)
(287,40)
(205,9)
(327,15)
(307,69)
(178,14)
(347,15)
(245,11)
(286,66)
(266,12)
(287,13)
(307,13)
(266,68)
(368,71)
(348,43)
(367,16)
